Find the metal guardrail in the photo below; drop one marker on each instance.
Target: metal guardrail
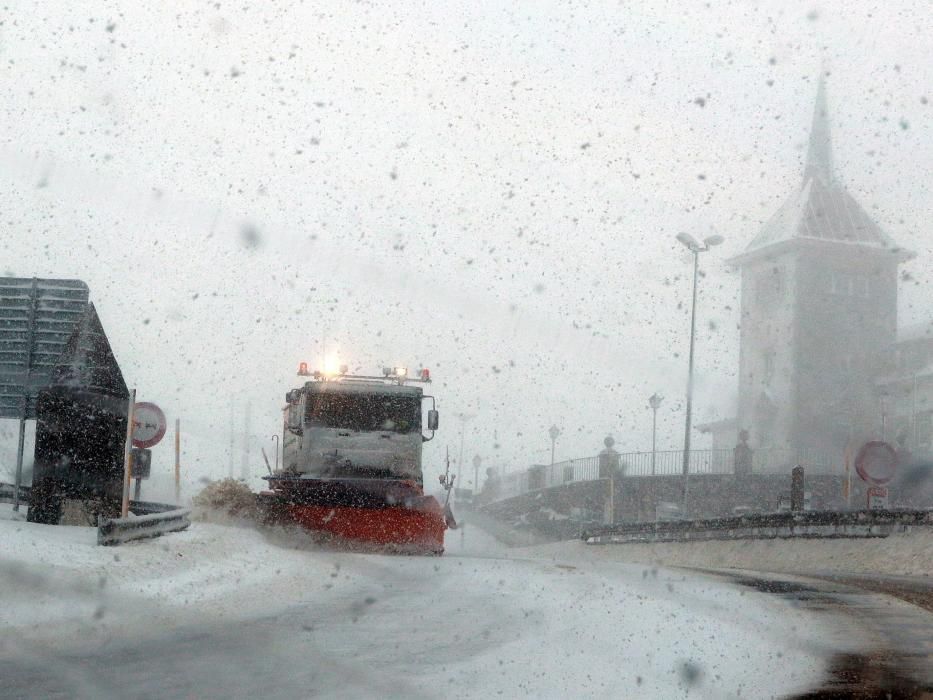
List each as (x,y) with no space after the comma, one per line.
(805,524)
(6,493)
(150,507)
(119,530)
(138,507)
(151,519)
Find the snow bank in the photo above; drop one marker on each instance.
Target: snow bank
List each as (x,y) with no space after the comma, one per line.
(234,612)
(58,574)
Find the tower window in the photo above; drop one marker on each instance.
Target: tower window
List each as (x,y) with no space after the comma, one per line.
(769,285)
(850,285)
(838,282)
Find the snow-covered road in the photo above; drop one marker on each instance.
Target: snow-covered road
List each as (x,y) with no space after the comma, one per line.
(224,612)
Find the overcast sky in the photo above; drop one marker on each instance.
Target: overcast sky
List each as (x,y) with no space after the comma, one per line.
(488,189)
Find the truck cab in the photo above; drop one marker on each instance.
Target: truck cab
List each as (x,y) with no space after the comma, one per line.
(341,426)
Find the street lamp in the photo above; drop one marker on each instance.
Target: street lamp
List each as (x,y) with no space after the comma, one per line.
(464,419)
(696,248)
(477,461)
(655,402)
(554,431)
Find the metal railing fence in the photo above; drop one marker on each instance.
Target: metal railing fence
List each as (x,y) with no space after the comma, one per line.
(659,463)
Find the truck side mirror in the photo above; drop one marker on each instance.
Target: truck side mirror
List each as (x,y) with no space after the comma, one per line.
(432,419)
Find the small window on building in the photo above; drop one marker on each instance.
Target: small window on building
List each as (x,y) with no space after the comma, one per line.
(769,367)
(924,429)
(769,285)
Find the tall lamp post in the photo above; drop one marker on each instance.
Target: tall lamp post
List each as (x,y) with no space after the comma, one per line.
(554,431)
(655,402)
(696,248)
(464,419)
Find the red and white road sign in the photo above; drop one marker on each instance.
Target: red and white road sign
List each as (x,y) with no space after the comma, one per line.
(149,424)
(876,462)
(877,498)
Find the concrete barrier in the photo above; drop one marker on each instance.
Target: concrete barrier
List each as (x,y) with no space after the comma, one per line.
(806,524)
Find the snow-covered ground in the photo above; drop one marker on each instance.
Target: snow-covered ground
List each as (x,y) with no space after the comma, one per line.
(222,611)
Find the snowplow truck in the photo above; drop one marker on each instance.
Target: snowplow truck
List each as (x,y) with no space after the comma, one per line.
(352,462)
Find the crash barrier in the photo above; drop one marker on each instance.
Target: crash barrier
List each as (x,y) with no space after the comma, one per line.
(119,530)
(805,524)
(150,507)
(6,493)
(137,507)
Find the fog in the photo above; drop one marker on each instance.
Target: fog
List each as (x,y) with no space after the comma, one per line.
(491,193)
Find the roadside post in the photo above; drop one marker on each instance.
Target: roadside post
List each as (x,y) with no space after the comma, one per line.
(141,468)
(177,460)
(128,455)
(796,489)
(877,498)
(145,428)
(875,464)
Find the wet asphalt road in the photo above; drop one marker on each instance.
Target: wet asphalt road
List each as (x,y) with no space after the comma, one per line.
(895,612)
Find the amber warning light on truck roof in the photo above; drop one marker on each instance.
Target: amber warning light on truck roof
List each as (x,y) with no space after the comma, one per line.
(394,374)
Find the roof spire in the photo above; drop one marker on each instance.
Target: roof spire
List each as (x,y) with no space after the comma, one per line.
(820,151)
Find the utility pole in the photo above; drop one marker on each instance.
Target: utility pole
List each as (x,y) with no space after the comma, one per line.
(244,471)
(464,419)
(232,446)
(694,247)
(177,460)
(655,402)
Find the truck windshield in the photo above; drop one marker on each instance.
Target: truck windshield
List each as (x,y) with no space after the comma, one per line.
(365,412)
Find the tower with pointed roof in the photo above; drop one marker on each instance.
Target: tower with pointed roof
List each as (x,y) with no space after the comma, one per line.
(818,312)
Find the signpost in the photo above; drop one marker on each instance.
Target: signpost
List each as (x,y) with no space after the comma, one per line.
(877,498)
(145,427)
(875,464)
(177,460)
(37,317)
(150,425)
(128,455)
(141,468)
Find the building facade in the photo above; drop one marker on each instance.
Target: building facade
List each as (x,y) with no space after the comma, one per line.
(906,391)
(818,314)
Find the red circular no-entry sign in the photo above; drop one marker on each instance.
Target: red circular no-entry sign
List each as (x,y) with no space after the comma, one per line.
(149,424)
(876,462)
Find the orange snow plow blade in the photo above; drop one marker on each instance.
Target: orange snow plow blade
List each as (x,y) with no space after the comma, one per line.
(415,531)
(367,514)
